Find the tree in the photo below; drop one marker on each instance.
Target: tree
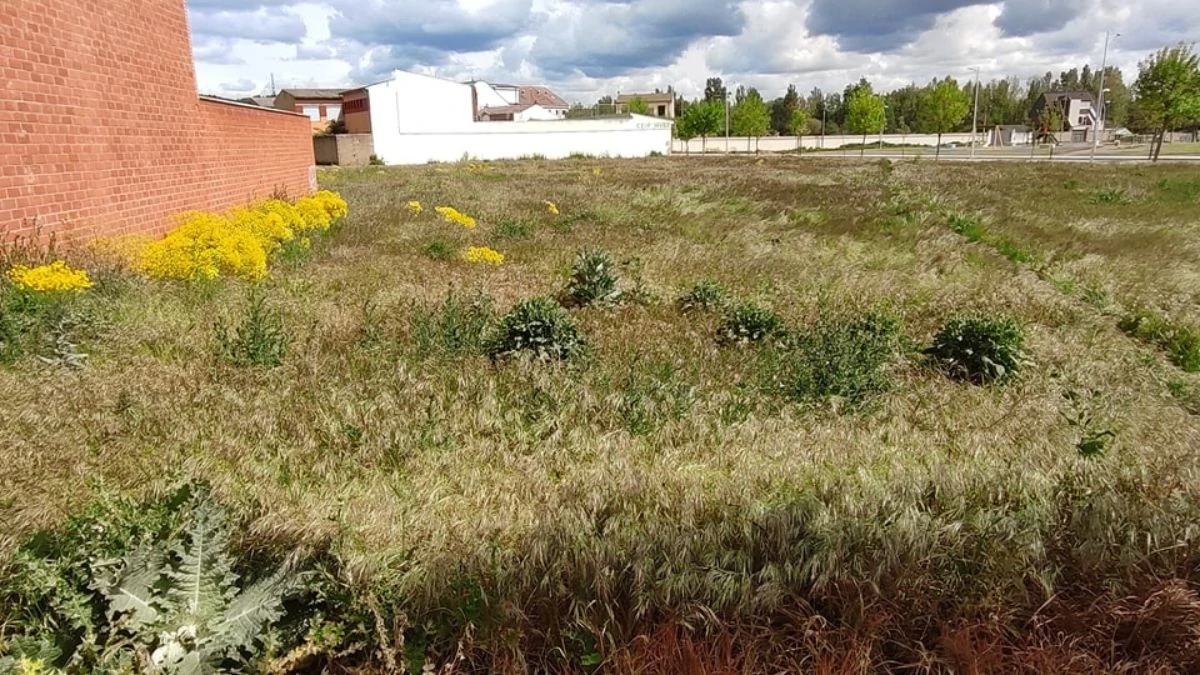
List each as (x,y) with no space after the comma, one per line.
(799,125)
(751,118)
(638,106)
(1168,91)
(703,119)
(864,113)
(943,105)
(782,110)
(714,90)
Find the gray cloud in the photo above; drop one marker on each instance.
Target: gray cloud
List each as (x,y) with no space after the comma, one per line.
(263,25)
(439,25)
(241,86)
(878,25)
(1029,17)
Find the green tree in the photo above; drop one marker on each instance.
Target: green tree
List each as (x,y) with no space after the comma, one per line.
(703,119)
(750,118)
(798,126)
(714,90)
(638,106)
(943,105)
(1168,91)
(782,110)
(864,113)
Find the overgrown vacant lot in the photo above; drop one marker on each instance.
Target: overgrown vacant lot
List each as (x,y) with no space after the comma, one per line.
(666,501)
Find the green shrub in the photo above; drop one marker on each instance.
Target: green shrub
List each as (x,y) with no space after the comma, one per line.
(1180,341)
(836,359)
(453,327)
(703,296)
(593,279)
(538,326)
(43,324)
(439,250)
(979,349)
(260,339)
(127,582)
(966,225)
(1110,196)
(513,229)
(747,322)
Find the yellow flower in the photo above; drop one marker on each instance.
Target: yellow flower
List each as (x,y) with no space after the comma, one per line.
(28,666)
(305,243)
(321,210)
(56,276)
(596,171)
(483,254)
(414,207)
(266,226)
(205,246)
(452,215)
(552,207)
(122,251)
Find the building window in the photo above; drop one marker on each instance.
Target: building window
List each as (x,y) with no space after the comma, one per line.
(313,112)
(333,112)
(662,111)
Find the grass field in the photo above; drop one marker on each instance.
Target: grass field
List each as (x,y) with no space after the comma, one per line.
(659,504)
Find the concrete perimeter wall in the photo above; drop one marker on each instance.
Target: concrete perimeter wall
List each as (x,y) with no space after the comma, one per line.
(788,143)
(102,133)
(631,137)
(343,149)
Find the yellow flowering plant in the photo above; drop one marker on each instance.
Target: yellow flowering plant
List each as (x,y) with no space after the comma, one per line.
(483,255)
(204,247)
(415,208)
(452,215)
(57,276)
(552,208)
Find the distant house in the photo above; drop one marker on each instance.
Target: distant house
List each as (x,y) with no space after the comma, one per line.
(1003,135)
(1079,117)
(321,106)
(512,103)
(260,101)
(659,104)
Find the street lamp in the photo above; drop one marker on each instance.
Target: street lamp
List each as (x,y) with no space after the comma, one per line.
(1100,102)
(975,115)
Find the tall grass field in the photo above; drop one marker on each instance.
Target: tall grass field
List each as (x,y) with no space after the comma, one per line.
(676,415)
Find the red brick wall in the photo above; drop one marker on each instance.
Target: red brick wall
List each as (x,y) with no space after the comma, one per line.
(101,130)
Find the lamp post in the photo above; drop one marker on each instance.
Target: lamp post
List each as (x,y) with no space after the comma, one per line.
(1100,102)
(727,122)
(824,108)
(975,115)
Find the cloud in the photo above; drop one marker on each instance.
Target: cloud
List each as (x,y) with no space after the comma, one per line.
(877,25)
(242,86)
(215,51)
(1030,17)
(262,25)
(438,25)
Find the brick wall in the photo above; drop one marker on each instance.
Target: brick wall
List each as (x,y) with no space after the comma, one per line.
(101,130)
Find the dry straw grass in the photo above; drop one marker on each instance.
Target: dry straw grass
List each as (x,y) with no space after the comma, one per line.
(648,507)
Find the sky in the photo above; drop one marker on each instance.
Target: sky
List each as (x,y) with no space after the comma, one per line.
(585,49)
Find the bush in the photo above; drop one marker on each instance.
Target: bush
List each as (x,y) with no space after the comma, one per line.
(439,250)
(539,326)
(1180,341)
(748,322)
(593,279)
(703,296)
(842,359)
(979,349)
(259,340)
(513,229)
(456,326)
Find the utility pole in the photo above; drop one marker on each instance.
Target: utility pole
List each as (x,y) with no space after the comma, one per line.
(824,107)
(975,115)
(1100,103)
(727,122)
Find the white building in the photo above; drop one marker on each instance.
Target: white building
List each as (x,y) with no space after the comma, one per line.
(414,119)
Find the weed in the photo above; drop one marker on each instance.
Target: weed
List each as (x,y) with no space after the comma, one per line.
(513,229)
(748,322)
(258,340)
(1089,418)
(439,250)
(375,160)
(707,295)
(966,225)
(1110,196)
(980,349)
(454,327)
(1180,341)
(538,326)
(593,279)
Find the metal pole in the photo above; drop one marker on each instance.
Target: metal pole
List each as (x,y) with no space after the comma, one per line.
(975,116)
(727,123)
(1100,103)
(824,107)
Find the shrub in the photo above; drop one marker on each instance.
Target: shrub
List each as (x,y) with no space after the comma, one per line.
(55,277)
(456,326)
(538,326)
(1110,196)
(452,215)
(747,322)
(967,226)
(593,279)
(259,340)
(205,246)
(374,160)
(439,250)
(841,359)
(1180,341)
(705,296)
(513,229)
(483,255)
(979,349)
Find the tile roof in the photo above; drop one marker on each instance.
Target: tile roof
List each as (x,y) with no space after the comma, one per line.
(505,109)
(542,96)
(314,93)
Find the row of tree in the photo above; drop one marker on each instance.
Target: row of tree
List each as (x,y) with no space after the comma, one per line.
(1165,96)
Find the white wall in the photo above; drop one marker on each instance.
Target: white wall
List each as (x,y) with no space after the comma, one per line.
(786,143)
(536,112)
(488,96)
(417,103)
(636,136)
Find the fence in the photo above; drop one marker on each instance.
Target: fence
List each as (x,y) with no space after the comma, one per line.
(103,133)
(792,143)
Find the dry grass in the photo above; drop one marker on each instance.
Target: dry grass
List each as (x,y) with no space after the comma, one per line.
(649,506)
